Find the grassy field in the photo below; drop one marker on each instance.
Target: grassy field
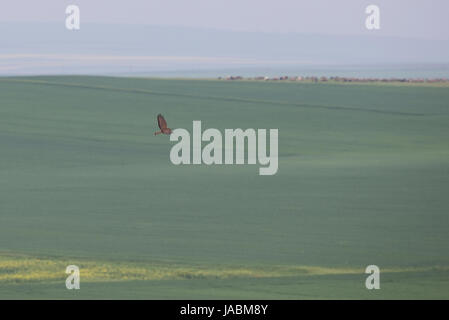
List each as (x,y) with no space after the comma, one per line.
(363,179)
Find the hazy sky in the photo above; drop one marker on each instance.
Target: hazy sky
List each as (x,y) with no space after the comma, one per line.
(408,18)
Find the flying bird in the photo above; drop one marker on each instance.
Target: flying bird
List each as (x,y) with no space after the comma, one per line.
(162,125)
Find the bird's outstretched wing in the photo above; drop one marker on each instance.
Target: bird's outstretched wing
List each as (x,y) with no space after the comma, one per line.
(161,122)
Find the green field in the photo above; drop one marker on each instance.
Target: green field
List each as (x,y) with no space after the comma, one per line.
(363,179)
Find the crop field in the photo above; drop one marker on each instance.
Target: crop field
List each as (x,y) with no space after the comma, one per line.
(363,180)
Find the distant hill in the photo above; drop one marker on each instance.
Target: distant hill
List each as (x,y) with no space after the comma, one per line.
(50,48)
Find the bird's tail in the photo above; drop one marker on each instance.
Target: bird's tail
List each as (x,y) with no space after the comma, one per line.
(158,132)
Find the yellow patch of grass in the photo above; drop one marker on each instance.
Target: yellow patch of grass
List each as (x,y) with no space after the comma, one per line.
(22,268)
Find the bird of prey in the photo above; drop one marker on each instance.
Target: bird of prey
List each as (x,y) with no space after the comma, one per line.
(162,125)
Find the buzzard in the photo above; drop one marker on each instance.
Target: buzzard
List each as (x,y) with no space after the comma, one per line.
(162,125)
